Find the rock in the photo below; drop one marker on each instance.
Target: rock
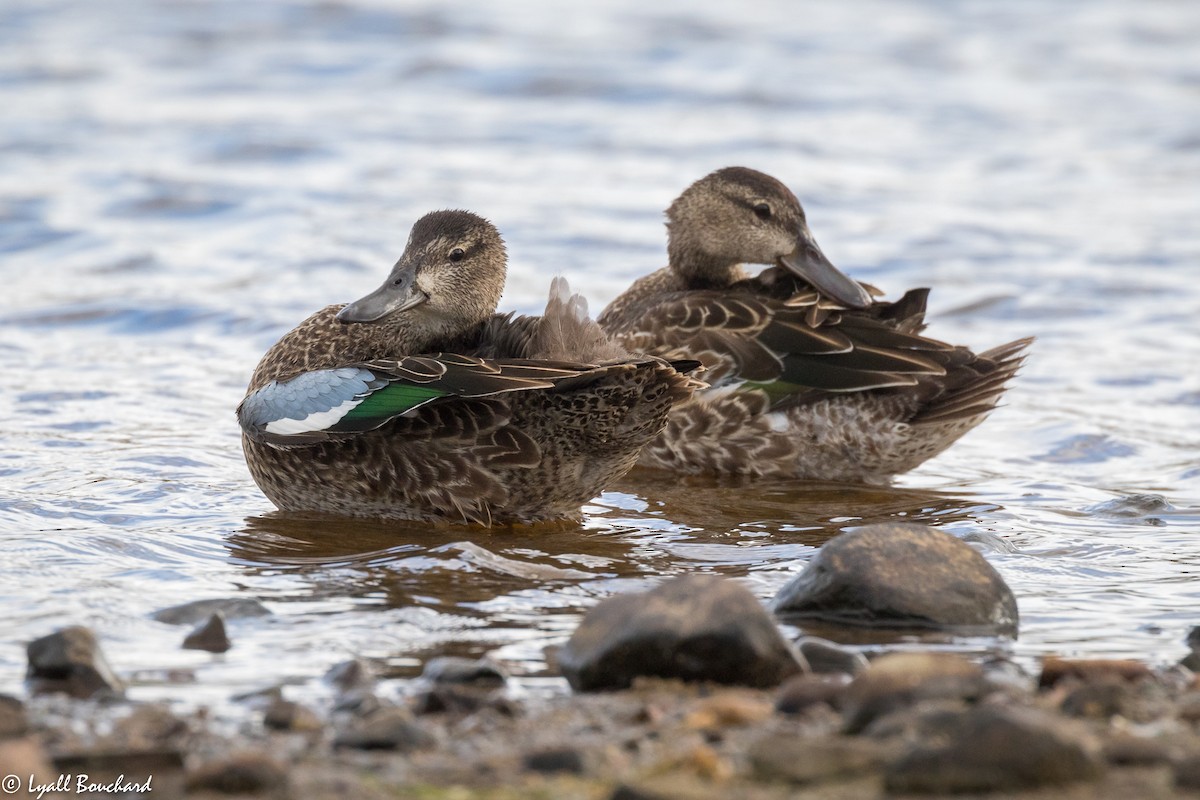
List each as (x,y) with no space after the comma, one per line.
(386,729)
(1191,661)
(1188,707)
(695,628)
(824,656)
(198,611)
(13,721)
(453,670)
(1136,751)
(70,661)
(677,786)
(210,636)
(244,773)
(555,760)
(1055,669)
(811,759)
(727,709)
(802,692)
(1100,700)
(462,699)
(284,715)
(900,575)
(897,680)
(350,675)
(25,758)
(1187,773)
(149,727)
(994,749)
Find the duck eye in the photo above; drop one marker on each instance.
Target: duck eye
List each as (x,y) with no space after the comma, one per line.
(762,211)
(457,254)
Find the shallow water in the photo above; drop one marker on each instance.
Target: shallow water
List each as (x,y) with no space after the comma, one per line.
(182,182)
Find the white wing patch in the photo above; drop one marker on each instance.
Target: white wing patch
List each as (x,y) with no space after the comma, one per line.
(317,421)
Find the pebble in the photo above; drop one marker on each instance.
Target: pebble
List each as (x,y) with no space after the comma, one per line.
(13,721)
(800,693)
(285,715)
(900,575)
(1127,750)
(1055,669)
(811,759)
(824,656)
(70,661)
(210,636)
(728,709)
(199,610)
(694,628)
(554,760)
(243,773)
(898,680)
(994,749)
(386,729)
(454,670)
(1187,773)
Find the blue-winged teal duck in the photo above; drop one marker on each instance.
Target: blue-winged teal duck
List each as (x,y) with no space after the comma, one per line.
(419,402)
(810,376)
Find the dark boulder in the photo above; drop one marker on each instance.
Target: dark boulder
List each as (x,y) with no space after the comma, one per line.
(70,661)
(901,575)
(694,628)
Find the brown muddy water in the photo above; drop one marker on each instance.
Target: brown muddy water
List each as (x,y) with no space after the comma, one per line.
(181,182)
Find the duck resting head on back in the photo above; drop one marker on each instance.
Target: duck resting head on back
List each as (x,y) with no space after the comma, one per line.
(810,376)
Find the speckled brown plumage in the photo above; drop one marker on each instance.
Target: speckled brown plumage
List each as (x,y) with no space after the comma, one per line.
(566,412)
(802,385)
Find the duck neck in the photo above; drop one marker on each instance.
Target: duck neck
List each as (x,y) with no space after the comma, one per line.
(702,271)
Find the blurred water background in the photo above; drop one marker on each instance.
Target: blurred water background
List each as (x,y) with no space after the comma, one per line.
(183,181)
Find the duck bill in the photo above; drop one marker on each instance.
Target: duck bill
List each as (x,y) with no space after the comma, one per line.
(808,262)
(399,293)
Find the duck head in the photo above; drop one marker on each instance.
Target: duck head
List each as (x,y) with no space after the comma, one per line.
(737,216)
(449,278)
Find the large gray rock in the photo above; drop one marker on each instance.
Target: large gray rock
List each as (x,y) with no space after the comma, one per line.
(695,628)
(900,575)
(70,661)
(994,749)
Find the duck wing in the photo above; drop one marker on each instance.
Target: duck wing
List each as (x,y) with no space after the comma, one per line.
(789,344)
(325,404)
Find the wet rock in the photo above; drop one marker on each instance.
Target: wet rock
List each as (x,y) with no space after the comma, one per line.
(1100,700)
(355,681)
(900,575)
(453,670)
(824,656)
(462,699)
(244,773)
(1055,669)
(897,680)
(200,610)
(149,727)
(555,760)
(210,636)
(993,749)
(70,661)
(284,715)
(810,759)
(1188,707)
(800,693)
(386,729)
(695,628)
(352,674)
(1136,751)
(13,721)
(1193,638)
